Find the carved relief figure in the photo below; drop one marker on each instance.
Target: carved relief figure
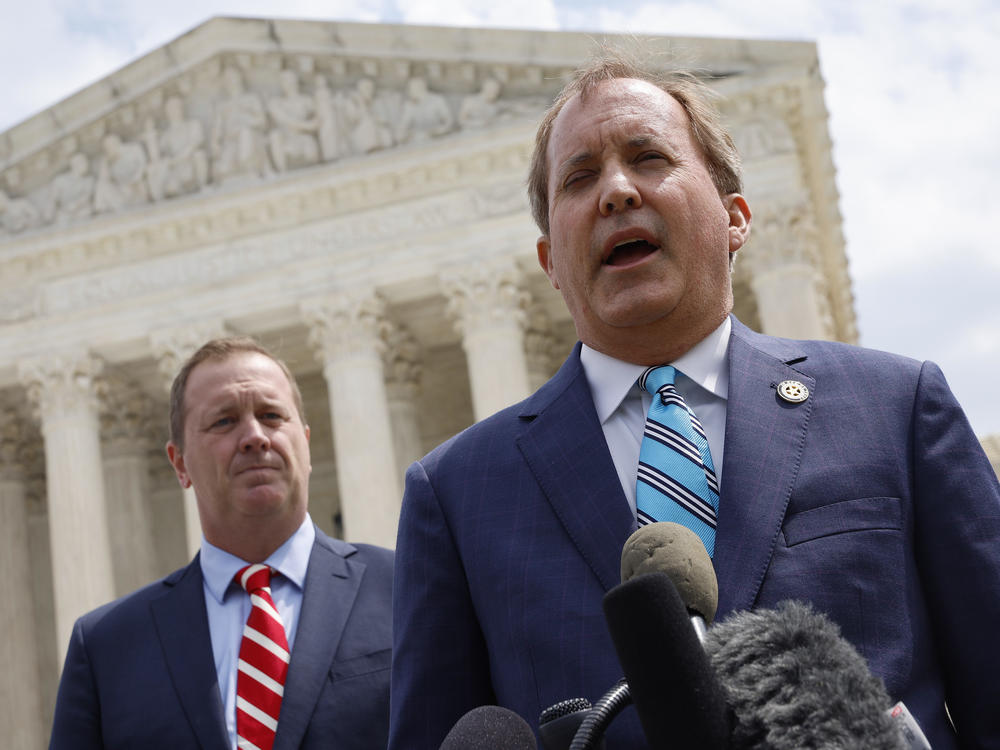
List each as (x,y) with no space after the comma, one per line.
(70,194)
(121,177)
(368,129)
(481,108)
(177,159)
(238,133)
(330,118)
(17,214)
(294,114)
(425,114)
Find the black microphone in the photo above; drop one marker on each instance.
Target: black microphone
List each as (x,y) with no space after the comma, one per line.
(680,701)
(490,728)
(677,552)
(794,682)
(558,724)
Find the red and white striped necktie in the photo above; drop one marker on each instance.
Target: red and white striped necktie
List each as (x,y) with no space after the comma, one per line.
(262,666)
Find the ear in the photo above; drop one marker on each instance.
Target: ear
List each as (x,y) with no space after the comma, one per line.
(739,220)
(544,248)
(176,458)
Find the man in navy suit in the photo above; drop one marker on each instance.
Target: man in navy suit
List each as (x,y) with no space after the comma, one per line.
(849,478)
(158,668)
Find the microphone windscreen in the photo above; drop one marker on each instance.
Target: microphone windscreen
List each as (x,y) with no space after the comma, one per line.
(490,728)
(680,702)
(671,548)
(794,682)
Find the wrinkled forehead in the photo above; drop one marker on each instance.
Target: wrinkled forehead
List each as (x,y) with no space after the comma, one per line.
(216,380)
(616,108)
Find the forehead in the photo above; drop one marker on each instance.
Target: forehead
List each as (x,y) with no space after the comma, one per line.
(615,109)
(216,379)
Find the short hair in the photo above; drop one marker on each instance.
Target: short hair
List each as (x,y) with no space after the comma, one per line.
(219,350)
(691,93)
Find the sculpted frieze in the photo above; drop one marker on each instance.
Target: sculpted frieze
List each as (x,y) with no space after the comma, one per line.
(243,119)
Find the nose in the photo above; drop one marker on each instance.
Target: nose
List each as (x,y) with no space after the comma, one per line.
(254,437)
(618,193)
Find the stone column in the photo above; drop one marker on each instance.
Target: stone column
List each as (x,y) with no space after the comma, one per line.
(21,723)
(783,263)
(488,306)
(539,347)
(348,332)
(64,390)
(171,348)
(403,370)
(126,422)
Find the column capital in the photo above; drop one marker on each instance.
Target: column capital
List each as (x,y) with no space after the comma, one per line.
(126,416)
(62,382)
(346,323)
(785,237)
(402,364)
(485,294)
(20,444)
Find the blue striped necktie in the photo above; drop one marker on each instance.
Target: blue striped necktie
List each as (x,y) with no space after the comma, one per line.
(676,478)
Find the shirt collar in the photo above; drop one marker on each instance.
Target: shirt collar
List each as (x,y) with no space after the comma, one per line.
(291,559)
(610,379)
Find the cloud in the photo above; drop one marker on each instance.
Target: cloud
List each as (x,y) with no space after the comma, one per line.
(535,14)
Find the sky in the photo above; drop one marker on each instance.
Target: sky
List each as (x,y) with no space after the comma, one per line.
(912,88)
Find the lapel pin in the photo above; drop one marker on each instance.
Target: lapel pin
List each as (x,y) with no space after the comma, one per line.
(793,391)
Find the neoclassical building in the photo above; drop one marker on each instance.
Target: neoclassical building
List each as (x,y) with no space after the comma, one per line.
(352,195)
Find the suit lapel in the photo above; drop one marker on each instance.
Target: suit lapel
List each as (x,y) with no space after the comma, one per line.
(182,626)
(565,449)
(765,437)
(330,589)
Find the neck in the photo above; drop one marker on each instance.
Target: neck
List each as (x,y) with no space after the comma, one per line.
(253,544)
(656,344)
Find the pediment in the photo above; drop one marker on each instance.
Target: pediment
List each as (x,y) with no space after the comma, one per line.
(239,102)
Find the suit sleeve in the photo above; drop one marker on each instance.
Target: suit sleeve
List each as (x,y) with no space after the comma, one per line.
(440,667)
(77,721)
(958,554)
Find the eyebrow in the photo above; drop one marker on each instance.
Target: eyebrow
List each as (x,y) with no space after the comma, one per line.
(572,163)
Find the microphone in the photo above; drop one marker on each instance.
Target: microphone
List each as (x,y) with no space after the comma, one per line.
(490,728)
(559,723)
(673,549)
(656,624)
(794,682)
(680,701)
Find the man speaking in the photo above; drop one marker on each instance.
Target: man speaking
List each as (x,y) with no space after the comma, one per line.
(817,471)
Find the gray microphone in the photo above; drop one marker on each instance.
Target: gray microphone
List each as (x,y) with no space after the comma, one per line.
(671,548)
(490,728)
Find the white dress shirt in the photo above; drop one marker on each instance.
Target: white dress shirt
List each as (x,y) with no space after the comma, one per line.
(621,405)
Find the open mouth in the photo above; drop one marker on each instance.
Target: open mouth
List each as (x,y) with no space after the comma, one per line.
(630,251)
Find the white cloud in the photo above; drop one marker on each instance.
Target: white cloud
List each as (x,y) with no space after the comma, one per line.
(535,14)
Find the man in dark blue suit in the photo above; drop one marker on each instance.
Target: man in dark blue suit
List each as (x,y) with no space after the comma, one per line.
(159,668)
(849,478)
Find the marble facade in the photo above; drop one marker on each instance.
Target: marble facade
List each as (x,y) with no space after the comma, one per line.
(353,196)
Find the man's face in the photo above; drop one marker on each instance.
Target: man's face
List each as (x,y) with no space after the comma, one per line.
(639,238)
(246,450)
